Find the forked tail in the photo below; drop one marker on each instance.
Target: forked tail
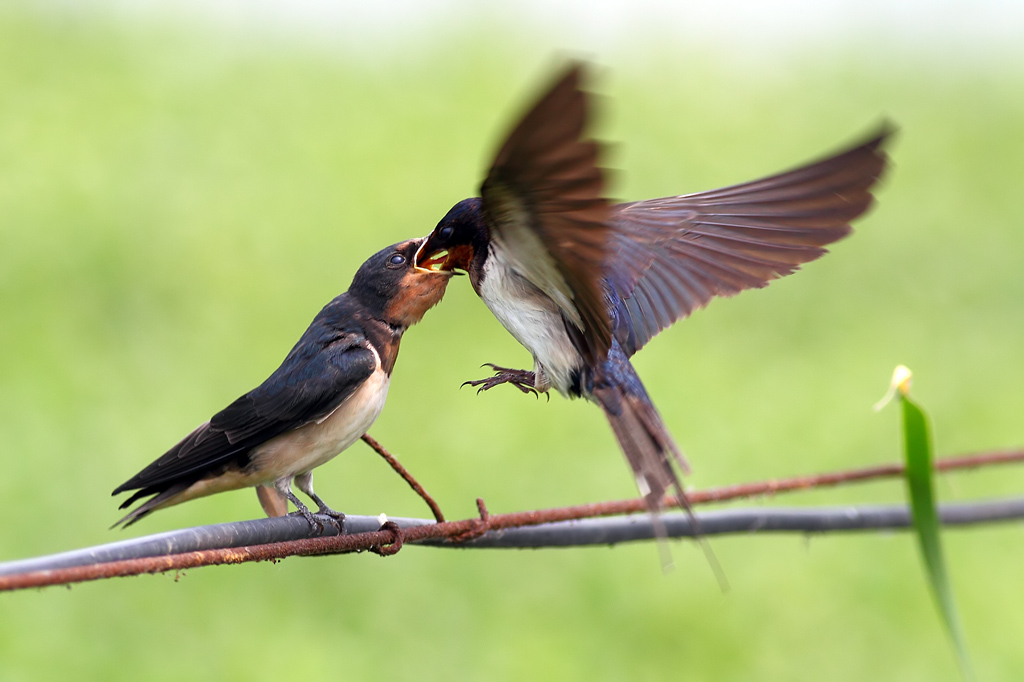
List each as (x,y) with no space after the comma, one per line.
(649,449)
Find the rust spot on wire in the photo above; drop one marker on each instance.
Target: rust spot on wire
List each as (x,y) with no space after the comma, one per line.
(481,525)
(397,540)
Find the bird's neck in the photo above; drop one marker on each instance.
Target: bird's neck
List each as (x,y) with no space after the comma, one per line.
(481,254)
(386,339)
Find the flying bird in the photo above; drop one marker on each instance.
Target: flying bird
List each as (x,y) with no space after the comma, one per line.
(325,395)
(584,284)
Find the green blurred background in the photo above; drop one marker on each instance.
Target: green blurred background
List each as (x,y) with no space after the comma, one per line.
(179,196)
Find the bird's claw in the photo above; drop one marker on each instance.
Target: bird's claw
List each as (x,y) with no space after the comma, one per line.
(336,516)
(318,528)
(520,378)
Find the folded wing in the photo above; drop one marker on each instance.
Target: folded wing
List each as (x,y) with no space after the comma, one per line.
(308,386)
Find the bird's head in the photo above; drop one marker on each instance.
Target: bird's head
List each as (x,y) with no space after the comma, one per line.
(458,239)
(394,289)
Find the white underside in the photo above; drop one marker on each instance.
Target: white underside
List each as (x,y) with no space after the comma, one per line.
(309,446)
(533,319)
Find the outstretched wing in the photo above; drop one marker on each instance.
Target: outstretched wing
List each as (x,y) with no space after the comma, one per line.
(543,202)
(668,257)
(317,376)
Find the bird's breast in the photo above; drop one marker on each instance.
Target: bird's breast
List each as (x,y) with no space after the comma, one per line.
(533,319)
(313,444)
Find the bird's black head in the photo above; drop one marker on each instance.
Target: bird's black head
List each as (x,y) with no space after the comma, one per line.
(393,289)
(458,240)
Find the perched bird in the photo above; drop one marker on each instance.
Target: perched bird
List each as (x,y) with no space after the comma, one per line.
(584,284)
(322,398)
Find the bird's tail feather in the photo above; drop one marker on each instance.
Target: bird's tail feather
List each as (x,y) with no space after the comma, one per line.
(648,447)
(150,505)
(645,441)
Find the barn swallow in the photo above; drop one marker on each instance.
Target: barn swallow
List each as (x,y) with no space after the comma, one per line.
(325,395)
(584,284)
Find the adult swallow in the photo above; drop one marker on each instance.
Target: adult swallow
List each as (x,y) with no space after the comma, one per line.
(325,395)
(584,284)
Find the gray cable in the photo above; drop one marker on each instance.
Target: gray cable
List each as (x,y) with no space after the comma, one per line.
(595,531)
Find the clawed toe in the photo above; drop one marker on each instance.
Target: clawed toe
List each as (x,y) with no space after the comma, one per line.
(498,368)
(336,516)
(520,378)
(318,528)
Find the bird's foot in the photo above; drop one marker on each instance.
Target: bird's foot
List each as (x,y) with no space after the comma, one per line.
(520,378)
(336,519)
(336,516)
(303,511)
(318,528)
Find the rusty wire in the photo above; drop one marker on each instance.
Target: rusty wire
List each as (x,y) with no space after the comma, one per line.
(401,471)
(389,538)
(828,480)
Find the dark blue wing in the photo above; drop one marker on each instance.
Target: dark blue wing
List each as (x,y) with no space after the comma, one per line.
(322,370)
(668,257)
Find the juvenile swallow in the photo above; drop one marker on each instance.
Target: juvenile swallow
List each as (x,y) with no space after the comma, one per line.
(584,284)
(325,395)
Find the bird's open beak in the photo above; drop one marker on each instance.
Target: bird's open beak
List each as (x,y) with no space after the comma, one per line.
(433,260)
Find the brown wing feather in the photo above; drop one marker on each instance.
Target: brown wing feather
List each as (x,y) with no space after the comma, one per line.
(545,186)
(670,256)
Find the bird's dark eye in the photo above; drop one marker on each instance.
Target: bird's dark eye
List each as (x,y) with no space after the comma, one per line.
(446,232)
(396,260)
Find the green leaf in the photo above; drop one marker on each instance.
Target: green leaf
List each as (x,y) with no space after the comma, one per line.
(918,451)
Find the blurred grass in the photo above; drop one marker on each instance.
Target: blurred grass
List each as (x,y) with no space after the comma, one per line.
(174,208)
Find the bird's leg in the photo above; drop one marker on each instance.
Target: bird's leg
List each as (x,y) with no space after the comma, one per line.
(522,379)
(284,486)
(305,484)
